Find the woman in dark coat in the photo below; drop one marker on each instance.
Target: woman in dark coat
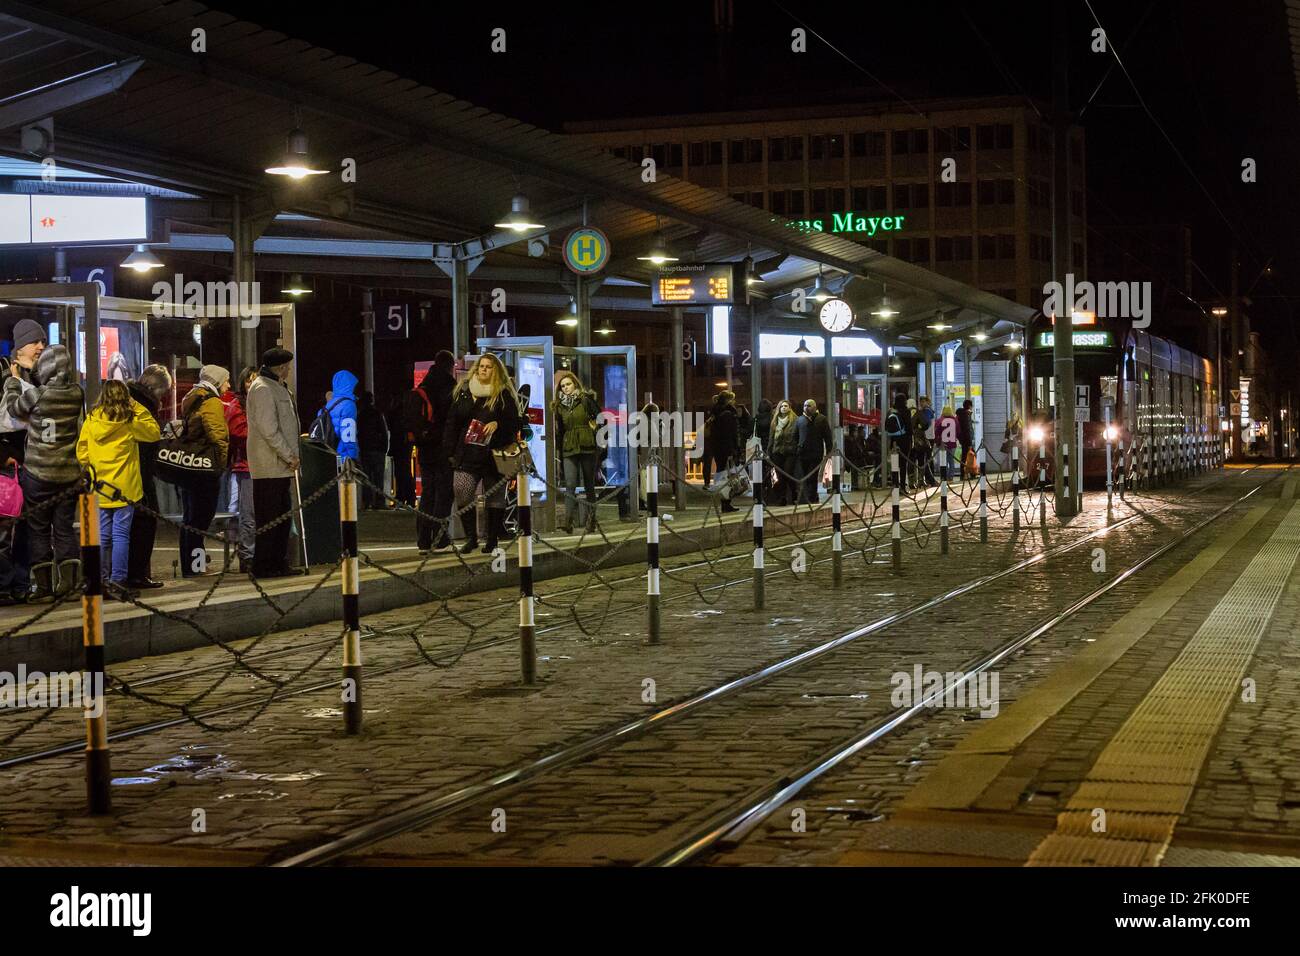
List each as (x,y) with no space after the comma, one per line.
(575,411)
(484,417)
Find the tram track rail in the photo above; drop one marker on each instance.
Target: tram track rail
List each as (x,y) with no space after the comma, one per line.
(741,816)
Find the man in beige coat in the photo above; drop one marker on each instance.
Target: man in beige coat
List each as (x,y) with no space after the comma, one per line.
(273,430)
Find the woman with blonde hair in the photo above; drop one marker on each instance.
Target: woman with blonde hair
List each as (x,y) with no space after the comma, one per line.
(784,450)
(484,417)
(575,410)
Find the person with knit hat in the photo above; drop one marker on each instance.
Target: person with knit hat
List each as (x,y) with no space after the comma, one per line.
(203,414)
(29,343)
(273,430)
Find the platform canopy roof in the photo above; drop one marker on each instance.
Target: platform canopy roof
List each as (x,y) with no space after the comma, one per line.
(131,101)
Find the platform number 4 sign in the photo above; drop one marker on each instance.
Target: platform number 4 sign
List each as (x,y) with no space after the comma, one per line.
(502,327)
(392,320)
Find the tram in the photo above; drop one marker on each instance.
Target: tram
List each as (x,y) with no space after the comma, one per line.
(1154,390)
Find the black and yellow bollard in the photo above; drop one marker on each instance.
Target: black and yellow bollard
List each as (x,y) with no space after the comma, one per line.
(351,600)
(99,769)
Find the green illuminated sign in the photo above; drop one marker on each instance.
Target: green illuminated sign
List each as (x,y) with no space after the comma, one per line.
(851,223)
(1084,340)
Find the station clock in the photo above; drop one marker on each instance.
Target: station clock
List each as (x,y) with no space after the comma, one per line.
(835,315)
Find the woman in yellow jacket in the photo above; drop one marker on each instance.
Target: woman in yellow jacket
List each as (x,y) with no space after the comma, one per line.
(107,445)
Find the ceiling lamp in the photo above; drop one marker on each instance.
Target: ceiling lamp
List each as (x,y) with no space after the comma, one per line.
(885,312)
(518,220)
(803,348)
(980,335)
(939,326)
(658,253)
(570,318)
(605,327)
(1014,344)
(296,285)
(1219,311)
(297,162)
(750,277)
(142,260)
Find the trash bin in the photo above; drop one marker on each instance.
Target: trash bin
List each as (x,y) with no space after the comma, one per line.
(320,519)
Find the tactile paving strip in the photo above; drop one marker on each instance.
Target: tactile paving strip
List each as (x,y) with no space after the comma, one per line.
(1145,775)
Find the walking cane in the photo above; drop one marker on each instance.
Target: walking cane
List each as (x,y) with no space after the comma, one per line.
(302,523)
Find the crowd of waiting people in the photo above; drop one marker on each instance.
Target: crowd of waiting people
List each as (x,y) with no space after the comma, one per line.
(463,433)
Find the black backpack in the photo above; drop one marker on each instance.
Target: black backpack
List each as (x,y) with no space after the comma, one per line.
(322,429)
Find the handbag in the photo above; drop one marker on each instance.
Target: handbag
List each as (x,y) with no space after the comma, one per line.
(971,463)
(182,458)
(510,460)
(11,495)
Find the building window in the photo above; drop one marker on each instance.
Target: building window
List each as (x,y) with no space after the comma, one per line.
(776,201)
(796,202)
(837,200)
(988,248)
(867,144)
(952,194)
(739,197)
(1076,202)
(795,148)
(675,155)
(659,152)
(1006,136)
(943,249)
(952,139)
(825,146)
(835,146)
(879,245)
(879,199)
(737,151)
(861,200)
(1076,151)
(901,142)
(715,153)
(695,153)
(999,192)
(985,136)
(754,150)
(818,197)
(962,248)
(920,142)
(816,148)
(620,152)
(776,149)
(1006,247)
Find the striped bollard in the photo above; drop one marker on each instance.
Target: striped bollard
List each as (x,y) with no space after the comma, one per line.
(896,526)
(984,498)
(652,545)
(350,587)
(760,595)
(99,772)
(1042,486)
(527,618)
(1065,470)
(837,538)
(1015,487)
(943,508)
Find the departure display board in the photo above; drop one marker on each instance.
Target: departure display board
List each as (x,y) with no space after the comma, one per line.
(698,283)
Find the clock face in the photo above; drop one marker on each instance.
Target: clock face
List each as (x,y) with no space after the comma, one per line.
(835,315)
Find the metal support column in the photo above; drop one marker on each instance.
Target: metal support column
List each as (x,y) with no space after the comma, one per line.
(460,333)
(678,365)
(368,340)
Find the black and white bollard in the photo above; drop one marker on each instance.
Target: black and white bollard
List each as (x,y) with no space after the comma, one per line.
(1042,486)
(652,545)
(837,537)
(351,593)
(1015,487)
(527,609)
(943,508)
(984,497)
(1065,470)
(896,526)
(99,771)
(760,595)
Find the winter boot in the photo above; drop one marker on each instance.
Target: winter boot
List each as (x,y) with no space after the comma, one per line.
(70,579)
(495,521)
(42,586)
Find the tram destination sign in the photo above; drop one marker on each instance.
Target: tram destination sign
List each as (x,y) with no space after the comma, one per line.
(699,283)
(1082,340)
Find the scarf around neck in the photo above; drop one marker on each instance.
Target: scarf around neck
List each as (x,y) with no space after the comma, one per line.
(478,389)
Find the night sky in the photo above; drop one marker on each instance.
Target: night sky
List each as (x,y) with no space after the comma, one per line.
(1216,76)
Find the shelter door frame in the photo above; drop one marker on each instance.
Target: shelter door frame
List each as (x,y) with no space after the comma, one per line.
(544,516)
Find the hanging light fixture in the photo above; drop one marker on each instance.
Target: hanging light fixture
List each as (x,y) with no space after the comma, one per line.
(296,285)
(885,312)
(518,219)
(296,163)
(570,318)
(605,327)
(750,277)
(979,335)
(819,290)
(658,253)
(142,260)
(803,348)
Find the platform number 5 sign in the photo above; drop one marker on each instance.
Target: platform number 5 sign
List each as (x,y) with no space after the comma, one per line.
(393,320)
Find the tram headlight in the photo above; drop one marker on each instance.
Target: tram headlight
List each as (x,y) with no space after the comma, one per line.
(1111,433)
(1036,434)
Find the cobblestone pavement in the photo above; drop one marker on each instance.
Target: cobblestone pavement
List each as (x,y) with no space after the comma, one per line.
(1247,799)
(289,777)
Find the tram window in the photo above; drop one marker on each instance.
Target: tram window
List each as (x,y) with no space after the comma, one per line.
(776,149)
